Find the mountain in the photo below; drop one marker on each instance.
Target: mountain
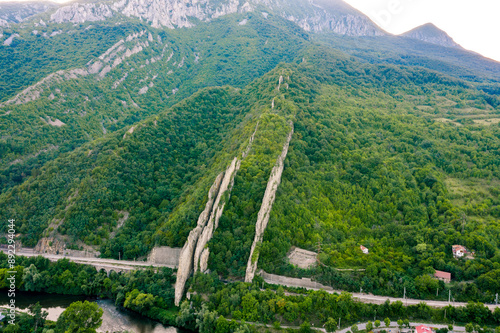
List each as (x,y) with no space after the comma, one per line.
(431,34)
(16,12)
(336,16)
(237,131)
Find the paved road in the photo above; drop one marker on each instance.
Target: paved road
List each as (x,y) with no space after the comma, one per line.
(369,298)
(126,265)
(108,264)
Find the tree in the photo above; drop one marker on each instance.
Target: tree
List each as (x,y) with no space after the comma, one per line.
(406,322)
(400,323)
(80,317)
(450,327)
(387,322)
(377,323)
(32,278)
(369,326)
(305,327)
(38,314)
(331,325)
(469,328)
(207,320)
(354,328)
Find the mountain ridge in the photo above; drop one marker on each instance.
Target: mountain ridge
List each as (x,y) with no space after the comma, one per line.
(431,34)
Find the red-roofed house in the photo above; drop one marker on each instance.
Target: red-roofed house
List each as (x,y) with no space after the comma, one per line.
(459,251)
(364,249)
(423,329)
(443,276)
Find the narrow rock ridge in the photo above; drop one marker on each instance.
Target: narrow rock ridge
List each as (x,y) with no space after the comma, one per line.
(265,209)
(186,254)
(218,208)
(102,65)
(247,150)
(195,252)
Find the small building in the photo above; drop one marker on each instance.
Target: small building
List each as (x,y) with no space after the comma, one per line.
(363,249)
(423,329)
(443,276)
(460,251)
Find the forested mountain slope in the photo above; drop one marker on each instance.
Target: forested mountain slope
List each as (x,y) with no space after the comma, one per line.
(382,156)
(117,145)
(139,75)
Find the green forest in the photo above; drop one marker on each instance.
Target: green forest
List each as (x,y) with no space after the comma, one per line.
(395,147)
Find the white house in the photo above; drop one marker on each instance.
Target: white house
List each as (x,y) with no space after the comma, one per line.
(363,249)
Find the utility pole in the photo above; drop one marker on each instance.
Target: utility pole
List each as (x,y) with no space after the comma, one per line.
(437,292)
(404,293)
(449,296)
(496,299)
(339,322)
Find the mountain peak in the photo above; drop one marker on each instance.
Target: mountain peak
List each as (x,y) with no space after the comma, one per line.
(431,34)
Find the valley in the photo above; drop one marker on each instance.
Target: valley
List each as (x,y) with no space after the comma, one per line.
(190,147)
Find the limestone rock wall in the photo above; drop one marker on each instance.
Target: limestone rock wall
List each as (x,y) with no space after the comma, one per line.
(265,209)
(186,254)
(218,208)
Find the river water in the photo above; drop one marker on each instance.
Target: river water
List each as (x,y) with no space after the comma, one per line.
(113,319)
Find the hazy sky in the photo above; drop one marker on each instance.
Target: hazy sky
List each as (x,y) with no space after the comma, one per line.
(474,24)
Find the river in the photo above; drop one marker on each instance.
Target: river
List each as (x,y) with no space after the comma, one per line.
(113,319)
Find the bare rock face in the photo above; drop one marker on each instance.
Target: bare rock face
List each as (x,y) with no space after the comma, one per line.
(50,245)
(324,15)
(186,254)
(431,34)
(265,208)
(218,208)
(16,12)
(175,13)
(82,12)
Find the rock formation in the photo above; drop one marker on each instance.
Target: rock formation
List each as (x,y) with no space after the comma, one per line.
(82,12)
(195,253)
(218,208)
(186,254)
(431,34)
(265,208)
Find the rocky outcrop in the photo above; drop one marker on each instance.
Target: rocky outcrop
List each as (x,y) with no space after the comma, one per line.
(218,208)
(324,15)
(50,245)
(106,62)
(315,16)
(194,255)
(82,12)
(175,13)
(431,34)
(9,40)
(186,254)
(265,208)
(17,11)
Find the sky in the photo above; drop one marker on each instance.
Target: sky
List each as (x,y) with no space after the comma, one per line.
(473,24)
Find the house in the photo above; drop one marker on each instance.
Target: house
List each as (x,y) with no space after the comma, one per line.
(363,249)
(459,251)
(423,329)
(443,276)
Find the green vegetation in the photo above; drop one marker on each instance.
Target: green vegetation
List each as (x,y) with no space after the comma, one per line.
(80,317)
